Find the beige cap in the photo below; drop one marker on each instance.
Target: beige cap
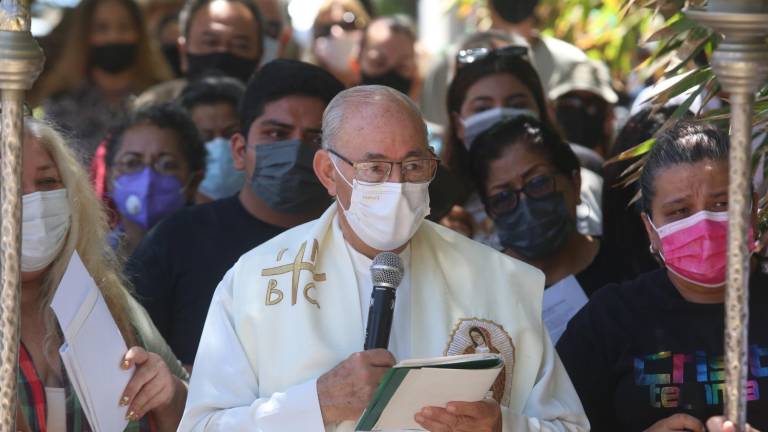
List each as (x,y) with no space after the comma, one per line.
(590,75)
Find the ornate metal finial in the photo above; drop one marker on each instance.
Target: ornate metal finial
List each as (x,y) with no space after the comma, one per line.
(21,61)
(14,16)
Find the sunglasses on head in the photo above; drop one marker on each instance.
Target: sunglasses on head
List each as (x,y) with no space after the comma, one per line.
(472,55)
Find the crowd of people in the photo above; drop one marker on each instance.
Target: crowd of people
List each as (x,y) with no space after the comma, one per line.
(228,194)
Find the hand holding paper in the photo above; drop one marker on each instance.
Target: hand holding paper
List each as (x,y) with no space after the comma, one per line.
(152,387)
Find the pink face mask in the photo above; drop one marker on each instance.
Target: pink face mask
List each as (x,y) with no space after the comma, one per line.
(694,248)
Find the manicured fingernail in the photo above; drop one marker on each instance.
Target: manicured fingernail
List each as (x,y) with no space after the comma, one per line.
(124,401)
(125,364)
(451,409)
(130,415)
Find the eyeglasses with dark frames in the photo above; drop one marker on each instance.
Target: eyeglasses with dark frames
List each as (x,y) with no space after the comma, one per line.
(536,188)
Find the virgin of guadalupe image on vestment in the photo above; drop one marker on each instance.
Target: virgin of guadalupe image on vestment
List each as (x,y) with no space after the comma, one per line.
(478,336)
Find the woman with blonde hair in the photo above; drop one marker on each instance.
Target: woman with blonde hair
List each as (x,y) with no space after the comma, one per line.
(62,215)
(107,58)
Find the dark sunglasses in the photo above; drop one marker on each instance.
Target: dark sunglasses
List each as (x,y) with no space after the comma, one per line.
(472,55)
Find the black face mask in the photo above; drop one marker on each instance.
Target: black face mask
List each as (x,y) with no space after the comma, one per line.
(514,11)
(226,63)
(283,177)
(536,228)
(171,54)
(582,121)
(113,58)
(390,79)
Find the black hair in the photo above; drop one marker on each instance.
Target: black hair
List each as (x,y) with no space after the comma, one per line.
(514,11)
(535,135)
(639,128)
(624,244)
(281,78)
(455,155)
(190,8)
(164,116)
(211,90)
(684,143)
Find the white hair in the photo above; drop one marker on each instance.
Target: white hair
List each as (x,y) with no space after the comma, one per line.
(365,96)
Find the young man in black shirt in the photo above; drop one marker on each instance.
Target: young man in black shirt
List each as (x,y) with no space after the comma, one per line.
(177,267)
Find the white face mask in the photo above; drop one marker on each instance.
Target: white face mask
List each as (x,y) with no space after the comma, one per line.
(45,223)
(386,215)
(476,124)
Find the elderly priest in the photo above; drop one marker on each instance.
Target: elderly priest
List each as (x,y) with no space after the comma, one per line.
(282,345)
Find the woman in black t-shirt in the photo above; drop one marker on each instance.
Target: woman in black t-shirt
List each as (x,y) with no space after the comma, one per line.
(528,179)
(647,355)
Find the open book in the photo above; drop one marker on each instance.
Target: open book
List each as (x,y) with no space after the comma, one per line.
(414,384)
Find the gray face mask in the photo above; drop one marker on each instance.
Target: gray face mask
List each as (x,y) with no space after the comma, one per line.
(283,177)
(537,228)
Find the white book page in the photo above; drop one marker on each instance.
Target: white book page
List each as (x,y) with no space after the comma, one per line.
(433,387)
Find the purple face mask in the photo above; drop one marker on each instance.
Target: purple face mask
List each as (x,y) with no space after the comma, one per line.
(146,197)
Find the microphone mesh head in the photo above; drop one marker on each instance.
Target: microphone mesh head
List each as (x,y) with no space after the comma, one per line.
(387,270)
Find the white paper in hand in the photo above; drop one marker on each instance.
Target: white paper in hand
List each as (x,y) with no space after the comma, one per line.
(561,302)
(93,348)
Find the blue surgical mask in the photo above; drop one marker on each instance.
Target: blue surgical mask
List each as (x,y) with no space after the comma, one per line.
(221,179)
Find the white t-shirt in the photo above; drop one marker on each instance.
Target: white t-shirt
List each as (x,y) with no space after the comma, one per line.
(56,407)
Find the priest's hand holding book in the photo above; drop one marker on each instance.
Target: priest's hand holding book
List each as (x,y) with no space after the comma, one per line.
(345,390)
(482,416)
(366,382)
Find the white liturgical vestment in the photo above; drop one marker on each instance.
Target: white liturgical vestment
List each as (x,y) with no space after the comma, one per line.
(290,310)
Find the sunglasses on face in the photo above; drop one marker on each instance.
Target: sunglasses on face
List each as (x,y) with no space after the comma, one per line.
(349,22)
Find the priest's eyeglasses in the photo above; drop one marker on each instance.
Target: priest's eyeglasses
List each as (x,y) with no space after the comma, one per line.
(507,201)
(411,170)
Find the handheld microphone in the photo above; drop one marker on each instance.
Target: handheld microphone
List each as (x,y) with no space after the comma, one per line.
(387,271)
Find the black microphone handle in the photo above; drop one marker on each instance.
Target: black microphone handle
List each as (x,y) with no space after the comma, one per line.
(380,318)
